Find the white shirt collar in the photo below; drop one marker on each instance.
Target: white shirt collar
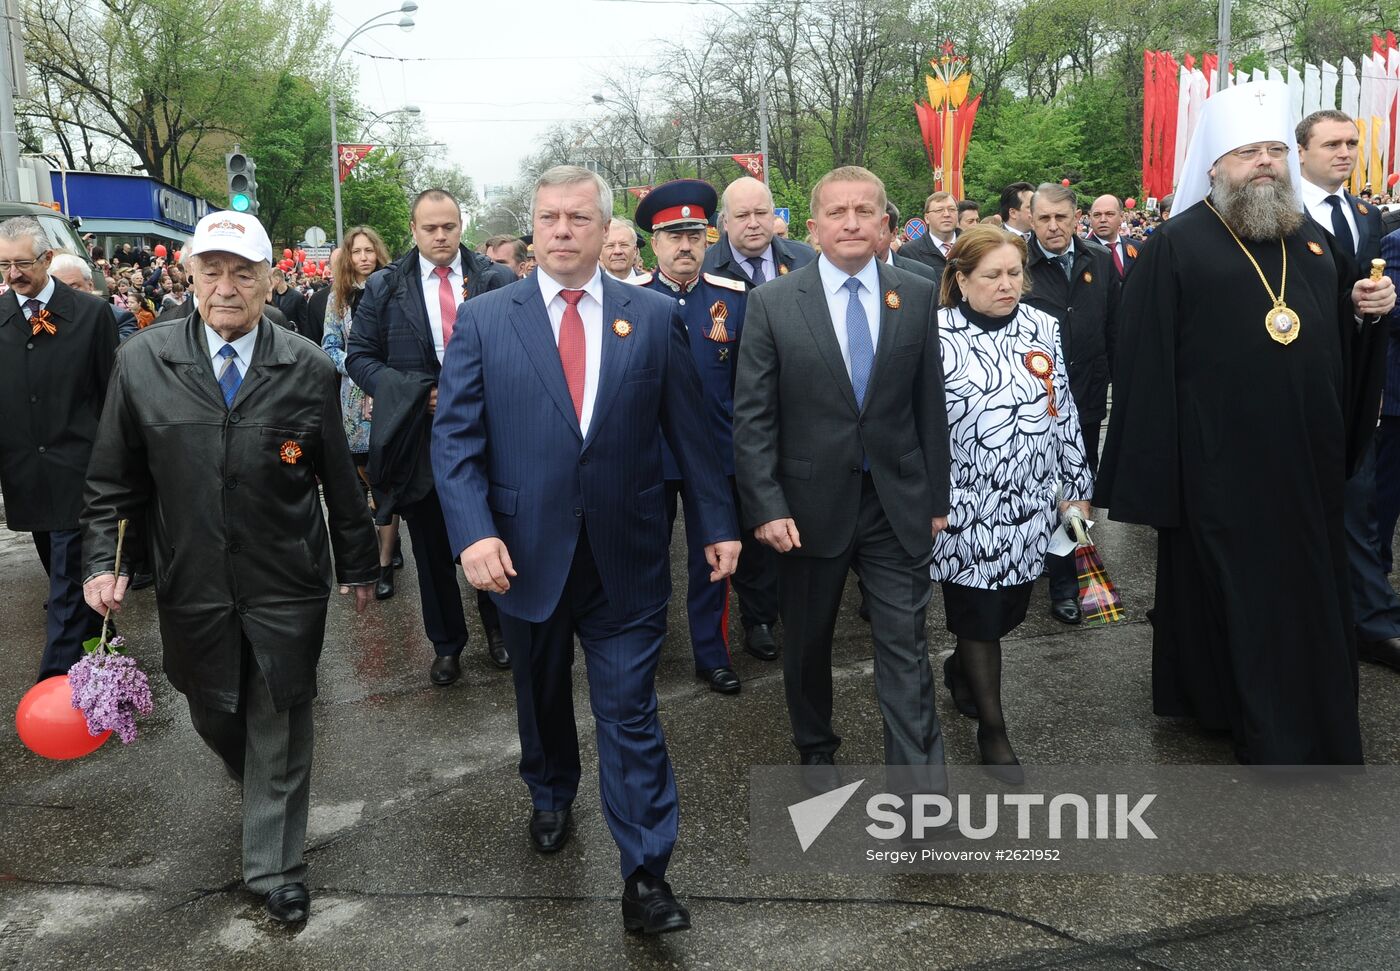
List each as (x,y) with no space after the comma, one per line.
(550,287)
(1314,195)
(427,266)
(43,296)
(242,346)
(834,278)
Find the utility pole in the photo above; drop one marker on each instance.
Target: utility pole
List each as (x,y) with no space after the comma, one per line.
(9,79)
(1222,70)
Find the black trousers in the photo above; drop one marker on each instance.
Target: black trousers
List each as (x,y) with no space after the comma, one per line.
(70,620)
(1387,478)
(444,621)
(1064,580)
(1375,607)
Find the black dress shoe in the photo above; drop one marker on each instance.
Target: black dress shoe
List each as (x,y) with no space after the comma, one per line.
(549,829)
(819,772)
(289,903)
(1066,611)
(722,680)
(758,641)
(445,670)
(496,648)
(958,687)
(1385,652)
(649,906)
(384,589)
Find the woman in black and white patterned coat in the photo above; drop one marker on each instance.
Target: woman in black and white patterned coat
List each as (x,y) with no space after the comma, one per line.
(1015,442)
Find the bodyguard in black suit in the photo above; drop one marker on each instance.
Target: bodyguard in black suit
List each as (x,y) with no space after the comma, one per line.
(403,324)
(1077,282)
(931,249)
(1327,150)
(748,251)
(841,451)
(56,352)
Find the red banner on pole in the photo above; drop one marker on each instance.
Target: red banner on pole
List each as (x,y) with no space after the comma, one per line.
(751,163)
(350,156)
(639,191)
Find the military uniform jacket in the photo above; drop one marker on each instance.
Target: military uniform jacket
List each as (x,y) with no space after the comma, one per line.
(712,308)
(51,391)
(238,538)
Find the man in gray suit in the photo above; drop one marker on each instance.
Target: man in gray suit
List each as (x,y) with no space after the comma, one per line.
(841,454)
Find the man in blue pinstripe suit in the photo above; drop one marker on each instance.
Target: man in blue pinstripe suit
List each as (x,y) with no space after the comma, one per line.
(555,395)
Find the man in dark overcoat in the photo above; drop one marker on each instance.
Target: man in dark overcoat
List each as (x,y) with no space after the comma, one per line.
(56,351)
(221,424)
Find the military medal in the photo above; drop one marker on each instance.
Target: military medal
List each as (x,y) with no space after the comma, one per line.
(719,313)
(891,300)
(1281,322)
(621,327)
(42,320)
(723,354)
(1040,365)
(289,452)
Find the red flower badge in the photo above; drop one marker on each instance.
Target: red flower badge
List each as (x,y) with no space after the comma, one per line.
(289,452)
(1040,365)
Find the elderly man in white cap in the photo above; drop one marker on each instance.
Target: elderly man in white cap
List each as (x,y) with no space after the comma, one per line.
(1240,403)
(220,424)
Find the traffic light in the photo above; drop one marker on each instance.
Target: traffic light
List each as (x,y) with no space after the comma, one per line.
(242,182)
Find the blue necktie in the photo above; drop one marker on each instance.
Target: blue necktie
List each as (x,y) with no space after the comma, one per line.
(1340,229)
(756,273)
(858,343)
(229,378)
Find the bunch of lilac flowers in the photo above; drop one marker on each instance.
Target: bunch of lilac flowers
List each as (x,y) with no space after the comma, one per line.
(110,689)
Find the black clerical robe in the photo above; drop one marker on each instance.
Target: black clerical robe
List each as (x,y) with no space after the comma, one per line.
(1237,449)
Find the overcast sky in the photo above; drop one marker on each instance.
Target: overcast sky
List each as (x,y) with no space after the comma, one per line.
(490,78)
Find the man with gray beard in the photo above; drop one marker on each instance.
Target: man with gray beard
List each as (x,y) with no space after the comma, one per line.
(1237,414)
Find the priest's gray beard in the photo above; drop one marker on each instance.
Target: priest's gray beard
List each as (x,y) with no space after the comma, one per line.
(1258,212)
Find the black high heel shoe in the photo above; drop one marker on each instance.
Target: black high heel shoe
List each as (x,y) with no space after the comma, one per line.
(958,687)
(384,588)
(998,757)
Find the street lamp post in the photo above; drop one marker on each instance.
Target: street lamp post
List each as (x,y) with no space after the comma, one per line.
(405,22)
(762,105)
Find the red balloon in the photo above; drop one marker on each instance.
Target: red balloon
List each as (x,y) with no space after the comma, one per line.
(50,726)
(1394,178)
(301,256)
(286,254)
(1130,203)
(159,249)
(178,254)
(1064,182)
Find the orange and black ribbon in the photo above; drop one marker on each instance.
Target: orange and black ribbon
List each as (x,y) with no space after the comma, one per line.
(42,320)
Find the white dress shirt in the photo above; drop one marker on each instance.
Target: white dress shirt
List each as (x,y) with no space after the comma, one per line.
(770,269)
(838,298)
(242,347)
(43,296)
(940,244)
(590,308)
(431,284)
(1315,200)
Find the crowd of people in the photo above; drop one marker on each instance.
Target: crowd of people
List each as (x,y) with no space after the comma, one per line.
(909,411)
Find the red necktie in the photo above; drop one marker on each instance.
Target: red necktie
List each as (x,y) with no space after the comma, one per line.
(1118,256)
(572,351)
(447,301)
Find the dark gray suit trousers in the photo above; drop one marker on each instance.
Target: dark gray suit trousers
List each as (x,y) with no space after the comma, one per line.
(269,752)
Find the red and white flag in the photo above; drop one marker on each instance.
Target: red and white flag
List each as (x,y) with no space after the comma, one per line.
(751,163)
(350,156)
(639,191)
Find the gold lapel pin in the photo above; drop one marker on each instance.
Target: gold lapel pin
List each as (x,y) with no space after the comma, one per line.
(1088,277)
(891,300)
(622,328)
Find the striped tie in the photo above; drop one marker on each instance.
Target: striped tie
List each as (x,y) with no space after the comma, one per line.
(229,377)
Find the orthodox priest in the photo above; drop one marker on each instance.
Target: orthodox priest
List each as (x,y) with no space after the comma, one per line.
(1241,400)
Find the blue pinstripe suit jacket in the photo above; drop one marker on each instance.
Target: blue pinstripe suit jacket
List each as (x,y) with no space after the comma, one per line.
(510,461)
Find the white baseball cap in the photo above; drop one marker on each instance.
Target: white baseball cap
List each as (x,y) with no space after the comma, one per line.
(227,231)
